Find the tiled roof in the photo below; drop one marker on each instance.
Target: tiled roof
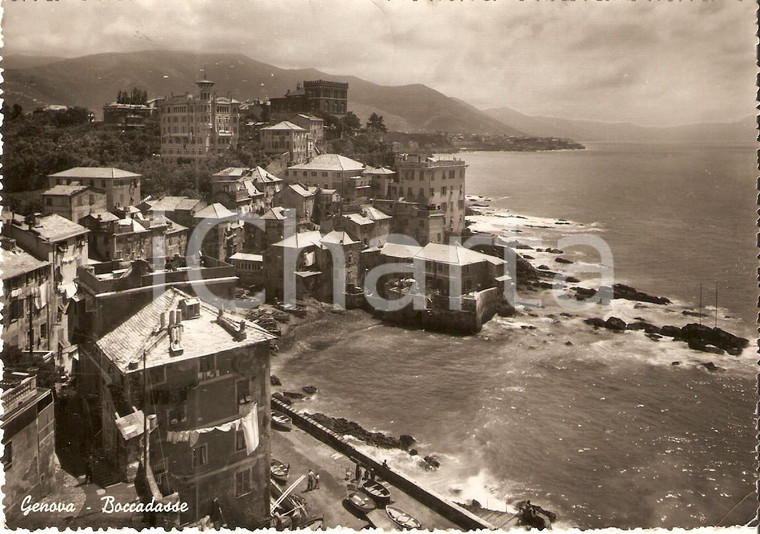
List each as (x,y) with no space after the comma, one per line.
(233,172)
(65,190)
(301,240)
(378,170)
(247,257)
(261,175)
(15,262)
(214,211)
(396,250)
(341,238)
(329,162)
(301,190)
(284,125)
(375,214)
(55,228)
(358,218)
(251,188)
(95,172)
(277,213)
(169,203)
(454,255)
(140,335)
(103,216)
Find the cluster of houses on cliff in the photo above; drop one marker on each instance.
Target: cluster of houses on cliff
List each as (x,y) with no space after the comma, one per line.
(128,297)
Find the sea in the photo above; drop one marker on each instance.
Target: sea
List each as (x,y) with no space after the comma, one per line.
(605,432)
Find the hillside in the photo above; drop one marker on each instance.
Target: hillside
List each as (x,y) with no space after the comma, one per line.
(94,80)
(589,131)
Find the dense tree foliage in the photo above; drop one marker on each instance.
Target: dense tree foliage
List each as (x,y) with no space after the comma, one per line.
(376,123)
(14,359)
(136,97)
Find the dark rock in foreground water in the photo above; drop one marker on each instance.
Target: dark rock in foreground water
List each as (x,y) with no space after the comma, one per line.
(343,426)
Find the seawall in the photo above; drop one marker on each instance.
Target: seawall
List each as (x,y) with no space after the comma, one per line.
(454,513)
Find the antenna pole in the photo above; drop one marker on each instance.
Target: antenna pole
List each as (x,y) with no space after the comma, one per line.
(700,304)
(716,304)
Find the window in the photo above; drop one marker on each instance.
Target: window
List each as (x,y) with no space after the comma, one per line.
(43,330)
(243,391)
(17,309)
(207,364)
(242,483)
(200,455)
(48,201)
(177,415)
(239,440)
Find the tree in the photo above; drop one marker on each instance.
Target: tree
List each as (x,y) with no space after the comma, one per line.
(376,123)
(350,123)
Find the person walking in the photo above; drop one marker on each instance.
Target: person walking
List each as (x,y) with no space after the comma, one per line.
(88,470)
(310,483)
(348,473)
(358,472)
(316,480)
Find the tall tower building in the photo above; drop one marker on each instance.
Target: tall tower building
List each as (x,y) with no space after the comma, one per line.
(193,127)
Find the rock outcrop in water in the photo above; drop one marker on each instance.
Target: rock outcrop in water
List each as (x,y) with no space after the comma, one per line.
(697,336)
(342,426)
(622,291)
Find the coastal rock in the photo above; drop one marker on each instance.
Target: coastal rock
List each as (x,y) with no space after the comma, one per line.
(413,452)
(523,247)
(274,380)
(350,428)
(696,344)
(693,314)
(654,337)
(294,395)
(621,291)
(596,322)
(710,366)
(528,257)
(505,309)
(563,260)
(432,462)
(715,336)
(675,363)
(406,441)
(616,324)
(671,331)
(543,267)
(572,280)
(645,326)
(554,251)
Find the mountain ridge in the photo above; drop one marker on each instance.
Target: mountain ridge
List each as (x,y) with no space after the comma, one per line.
(94,80)
(583,130)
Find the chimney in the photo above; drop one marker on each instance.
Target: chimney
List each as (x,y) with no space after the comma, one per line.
(171,318)
(163,320)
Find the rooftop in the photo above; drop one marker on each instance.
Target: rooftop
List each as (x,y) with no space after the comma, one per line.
(261,175)
(65,190)
(301,190)
(330,162)
(284,125)
(95,172)
(15,262)
(341,238)
(171,203)
(53,228)
(247,257)
(214,211)
(140,336)
(378,170)
(454,255)
(301,240)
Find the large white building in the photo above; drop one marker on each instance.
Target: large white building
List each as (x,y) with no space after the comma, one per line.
(433,183)
(193,127)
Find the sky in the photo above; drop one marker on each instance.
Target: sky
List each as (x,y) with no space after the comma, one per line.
(649,62)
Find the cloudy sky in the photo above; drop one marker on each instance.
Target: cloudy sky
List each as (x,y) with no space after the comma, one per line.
(649,62)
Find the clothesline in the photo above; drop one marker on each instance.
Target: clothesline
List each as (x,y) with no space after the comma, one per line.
(249,424)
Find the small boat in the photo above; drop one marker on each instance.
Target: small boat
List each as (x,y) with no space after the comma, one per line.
(311,390)
(360,502)
(281,421)
(402,519)
(379,493)
(279,471)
